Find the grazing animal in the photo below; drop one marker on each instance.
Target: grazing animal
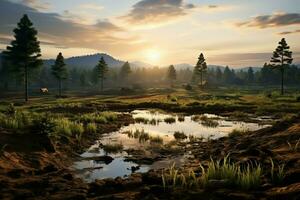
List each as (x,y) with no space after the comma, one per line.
(44,90)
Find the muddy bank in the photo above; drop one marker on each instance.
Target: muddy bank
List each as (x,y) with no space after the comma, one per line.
(40,171)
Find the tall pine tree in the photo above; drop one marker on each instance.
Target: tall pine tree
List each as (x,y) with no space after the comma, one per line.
(281,59)
(24,51)
(101,69)
(125,71)
(171,74)
(59,71)
(200,69)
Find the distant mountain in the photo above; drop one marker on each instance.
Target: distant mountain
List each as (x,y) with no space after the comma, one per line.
(88,61)
(139,64)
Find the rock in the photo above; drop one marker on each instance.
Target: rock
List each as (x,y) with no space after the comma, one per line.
(134,168)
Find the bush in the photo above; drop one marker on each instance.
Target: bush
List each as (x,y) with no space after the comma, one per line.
(179,135)
(43,125)
(170,120)
(91,128)
(236,132)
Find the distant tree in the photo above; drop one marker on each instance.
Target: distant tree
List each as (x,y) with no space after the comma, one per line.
(83,79)
(281,59)
(250,75)
(59,71)
(101,69)
(24,51)
(125,71)
(171,74)
(218,75)
(199,69)
(227,75)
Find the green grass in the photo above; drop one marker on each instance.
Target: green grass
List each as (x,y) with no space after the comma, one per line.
(99,117)
(113,148)
(237,132)
(234,175)
(277,172)
(91,128)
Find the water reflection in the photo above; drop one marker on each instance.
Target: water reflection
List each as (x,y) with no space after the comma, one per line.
(153,128)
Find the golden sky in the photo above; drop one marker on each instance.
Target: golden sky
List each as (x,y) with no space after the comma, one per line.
(160,32)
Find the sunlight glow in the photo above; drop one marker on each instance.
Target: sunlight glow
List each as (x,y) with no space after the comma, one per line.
(153,56)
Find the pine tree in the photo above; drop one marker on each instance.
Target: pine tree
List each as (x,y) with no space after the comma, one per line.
(125,71)
(24,51)
(227,75)
(219,75)
(250,75)
(83,79)
(281,59)
(199,69)
(59,71)
(171,74)
(101,69)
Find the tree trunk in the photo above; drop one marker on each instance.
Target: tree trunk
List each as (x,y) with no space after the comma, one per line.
(201,79)
(101,84)
(59,87)
(282,80)
(26,83)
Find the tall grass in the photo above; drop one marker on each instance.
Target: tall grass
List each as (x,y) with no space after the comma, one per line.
(277,176)
(233,175)
(91,128)
(98,117)
(295,146)
(113,148)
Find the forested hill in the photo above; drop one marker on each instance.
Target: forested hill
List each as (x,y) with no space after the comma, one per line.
(88,61)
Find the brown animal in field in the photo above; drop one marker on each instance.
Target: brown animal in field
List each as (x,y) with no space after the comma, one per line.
(44,90)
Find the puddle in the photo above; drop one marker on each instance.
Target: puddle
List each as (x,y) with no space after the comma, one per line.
(140,135)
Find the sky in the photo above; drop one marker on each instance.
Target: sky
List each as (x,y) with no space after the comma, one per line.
(160,32)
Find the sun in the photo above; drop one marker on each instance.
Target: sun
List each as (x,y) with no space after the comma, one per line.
(153,56)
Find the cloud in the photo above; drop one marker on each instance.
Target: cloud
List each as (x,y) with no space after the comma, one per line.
(91,6)
(274,20)
(157,11)
(289,32)
(245,59)
(37,5)
(57,32)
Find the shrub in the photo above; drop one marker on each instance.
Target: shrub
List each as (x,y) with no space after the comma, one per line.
(141,120)
(179,135)
(236,133)
(62,127)
(181,118)
(170,120)
(10,109)
(91,128)
(43,125)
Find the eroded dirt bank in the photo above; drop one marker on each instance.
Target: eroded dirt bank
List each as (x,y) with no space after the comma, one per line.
(34,167)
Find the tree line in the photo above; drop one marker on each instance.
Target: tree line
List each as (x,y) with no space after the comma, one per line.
(21,64)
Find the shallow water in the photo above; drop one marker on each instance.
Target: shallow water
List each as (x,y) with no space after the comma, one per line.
(118,167)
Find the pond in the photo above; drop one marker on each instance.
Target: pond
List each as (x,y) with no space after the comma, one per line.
(152,128)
